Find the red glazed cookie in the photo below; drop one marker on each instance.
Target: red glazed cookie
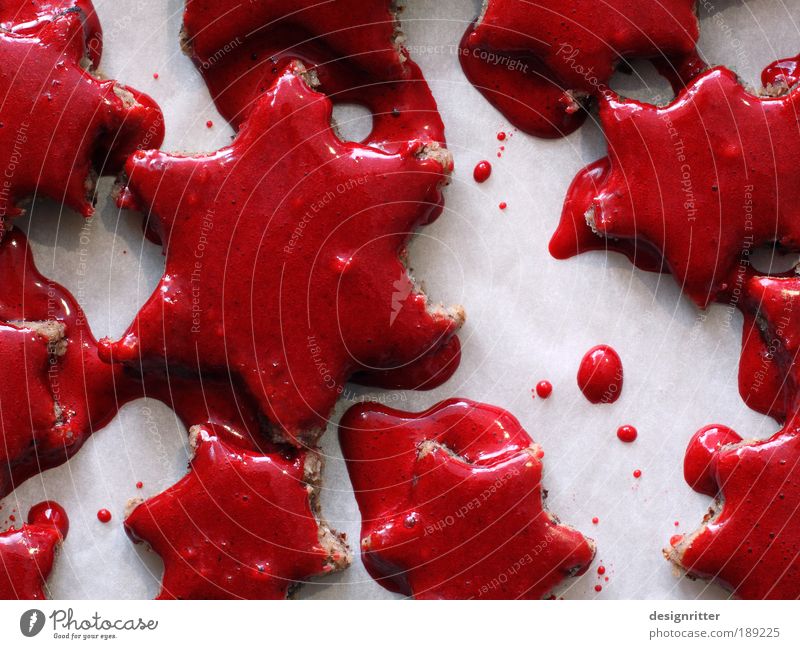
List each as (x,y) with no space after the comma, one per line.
(354,47)
(239,525)
(92,124)
(769,378)
(27,554)
(750,541)
(535,62)
(282,265)
(451,504)
(69,391)
(700,182)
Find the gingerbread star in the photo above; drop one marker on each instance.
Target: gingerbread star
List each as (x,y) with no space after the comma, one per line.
(700,182)
(282,267)
(27,554)
(451,504)
(750,541)
(59,125)
(354,47)
(239,525)
(535,61)
(69,391)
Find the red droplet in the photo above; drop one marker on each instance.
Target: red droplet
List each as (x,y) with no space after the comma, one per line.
(600,375)
(674,540)
(627,434)
(699,464)
(139,485)
(209,124)
(155,75)
(503,205)
(482,171)
(501,136)
(601,570)
(595,520)
(12,518)
(50,513)
(598,588)
(104,516)
(677,523)
(637,473)
(544,389)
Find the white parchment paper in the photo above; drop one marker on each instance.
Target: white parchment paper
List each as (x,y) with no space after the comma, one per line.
(529,318)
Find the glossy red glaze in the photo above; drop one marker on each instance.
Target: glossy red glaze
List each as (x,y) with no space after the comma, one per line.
(351,46)
(637,473)
(451,504)
(600,375)
(27,554)
(769,378)
(238,525)
(98,123)
(627,434)
(104,516)
(782,74)
(482,171)
(536,61)
(49,512)
(544,389)
(287,276)
(711,173)
(87,391)
(752,544)
(699,468)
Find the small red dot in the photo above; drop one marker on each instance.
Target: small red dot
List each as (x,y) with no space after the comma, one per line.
(637,474)
(677,523)
(595,520)
(501,136)
(503,205)
(139,485)
(209,123)
(544,389)
(104,516)
(598,588)
(155,75)
(627,434)
(482,171)
(601,570)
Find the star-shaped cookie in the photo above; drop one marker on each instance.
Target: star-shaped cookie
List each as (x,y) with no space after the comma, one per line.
(700,182)
(27,554)
(68,392)
(750,540)
(282,267)
(48,50)
(451,504)
(354,47)
(535,61)
(239,525)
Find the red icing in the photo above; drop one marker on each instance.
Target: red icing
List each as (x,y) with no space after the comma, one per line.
(782,74)
(503,205)
(637,474)
(627,434)
(482,171)
(544,389)
(501,136)
(598,588)
(350,44)
(713,188)
(238,525)
(97,123)
(451,499)
(535,62)
(600,375)
(699,464)
(88,391)
(104,516)
(299,284)
(752,544)
(27,554)
(595,520)
(139,485)
(601,570)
